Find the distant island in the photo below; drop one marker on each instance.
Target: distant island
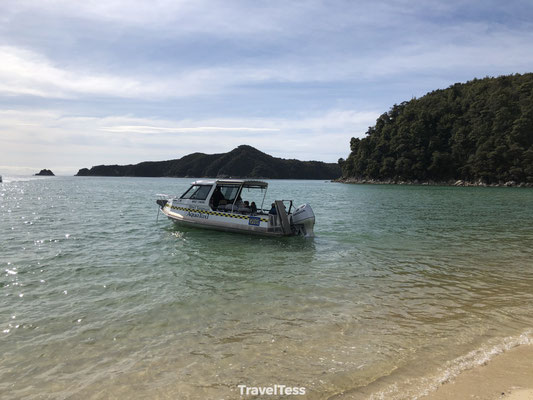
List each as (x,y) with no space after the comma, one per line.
(45,172)
(242,162)
(476,133)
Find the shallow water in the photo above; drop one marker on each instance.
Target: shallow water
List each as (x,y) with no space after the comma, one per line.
(403,287)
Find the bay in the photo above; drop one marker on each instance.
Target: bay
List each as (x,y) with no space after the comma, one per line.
(402,288)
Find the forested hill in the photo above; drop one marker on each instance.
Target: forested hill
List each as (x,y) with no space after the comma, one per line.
(481,130)
(242,162)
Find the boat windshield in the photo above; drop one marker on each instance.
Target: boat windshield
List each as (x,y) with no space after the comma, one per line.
(229,192)
(197,192)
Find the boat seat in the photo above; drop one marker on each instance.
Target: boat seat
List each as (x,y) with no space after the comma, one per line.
(231,207)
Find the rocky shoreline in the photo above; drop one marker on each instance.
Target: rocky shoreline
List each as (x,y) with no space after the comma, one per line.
(479,183)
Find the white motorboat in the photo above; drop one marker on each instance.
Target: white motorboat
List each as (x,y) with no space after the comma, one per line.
(218,204)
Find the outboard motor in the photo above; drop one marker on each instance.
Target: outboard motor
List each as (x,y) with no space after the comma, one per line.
(303,220)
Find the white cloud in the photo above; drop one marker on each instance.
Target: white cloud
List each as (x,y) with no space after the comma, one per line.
(179,16)
(23,72)
(163,129)
(470,47)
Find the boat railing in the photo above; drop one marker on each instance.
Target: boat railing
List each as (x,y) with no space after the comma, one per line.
(163,196)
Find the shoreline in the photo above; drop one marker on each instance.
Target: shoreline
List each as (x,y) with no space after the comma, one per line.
(502,371)
(508,376)
(416,182)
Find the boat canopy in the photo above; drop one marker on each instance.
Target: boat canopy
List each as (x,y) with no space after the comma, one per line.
(246,183)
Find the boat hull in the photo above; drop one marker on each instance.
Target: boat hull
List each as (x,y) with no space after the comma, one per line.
(221,221)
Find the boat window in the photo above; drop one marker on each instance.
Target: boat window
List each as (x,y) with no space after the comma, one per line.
(197,192)
(229,191)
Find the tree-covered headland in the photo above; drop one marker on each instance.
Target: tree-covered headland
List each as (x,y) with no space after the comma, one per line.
(479,131)
(242,162)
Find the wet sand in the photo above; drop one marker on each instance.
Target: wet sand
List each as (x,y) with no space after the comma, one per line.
(507,376)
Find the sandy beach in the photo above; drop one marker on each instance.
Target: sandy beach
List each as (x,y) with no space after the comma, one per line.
(507,376)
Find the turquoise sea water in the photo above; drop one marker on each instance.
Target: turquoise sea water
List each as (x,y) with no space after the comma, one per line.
(402,288)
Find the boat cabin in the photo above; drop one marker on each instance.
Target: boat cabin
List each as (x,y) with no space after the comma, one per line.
(226,195)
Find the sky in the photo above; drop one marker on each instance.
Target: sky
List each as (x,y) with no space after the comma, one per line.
(124,81)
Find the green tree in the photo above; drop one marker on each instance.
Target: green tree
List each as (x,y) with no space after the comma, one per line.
(482,129)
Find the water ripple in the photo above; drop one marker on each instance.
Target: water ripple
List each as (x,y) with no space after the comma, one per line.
(99,298)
